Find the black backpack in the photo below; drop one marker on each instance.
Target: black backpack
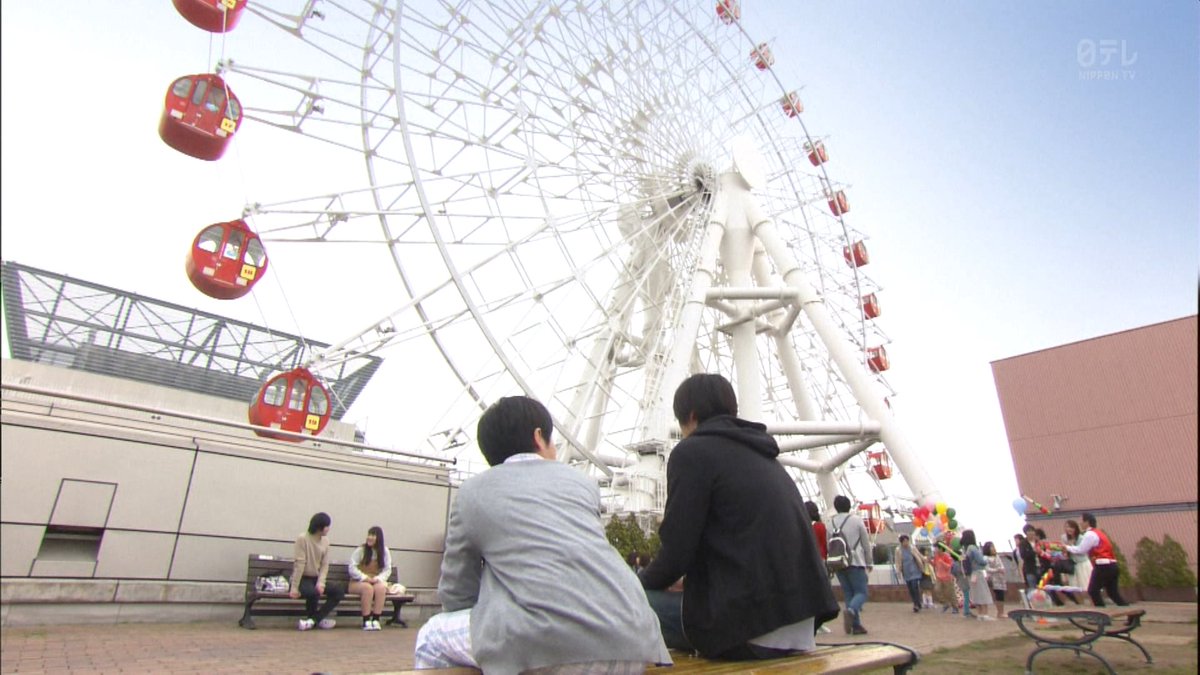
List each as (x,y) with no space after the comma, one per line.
(837,557)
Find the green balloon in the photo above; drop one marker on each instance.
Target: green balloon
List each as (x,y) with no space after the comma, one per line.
(956,543)
(953,524)
(950,513)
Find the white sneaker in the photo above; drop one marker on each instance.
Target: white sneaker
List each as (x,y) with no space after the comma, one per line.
(306,624)
(326,624)
(985,617)
(367,625)
(375,625)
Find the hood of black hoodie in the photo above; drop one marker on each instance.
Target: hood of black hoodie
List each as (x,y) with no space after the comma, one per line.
(750,434)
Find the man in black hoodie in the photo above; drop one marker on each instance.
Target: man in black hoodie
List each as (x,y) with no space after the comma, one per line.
(735,526)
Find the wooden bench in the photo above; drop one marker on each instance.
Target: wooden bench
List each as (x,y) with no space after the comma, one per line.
(1094,623)
(860,657)
(263,603)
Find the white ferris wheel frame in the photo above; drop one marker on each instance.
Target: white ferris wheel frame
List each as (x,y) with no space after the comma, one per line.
(744,270)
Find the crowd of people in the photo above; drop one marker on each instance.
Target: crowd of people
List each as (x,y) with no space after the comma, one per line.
(530,584)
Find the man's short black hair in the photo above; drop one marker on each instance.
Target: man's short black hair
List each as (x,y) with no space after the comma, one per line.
(903,538)
(506,428)
(841,504)
(1089,519)
(318,522)
(704,395)
(1029,527)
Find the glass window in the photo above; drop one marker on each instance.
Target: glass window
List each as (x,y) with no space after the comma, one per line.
(182,87)
(235,109)
(233,247)
(319,403)
(275,392)
(255,254)
(198,95)
(296,400)
(210,239)
(216,99)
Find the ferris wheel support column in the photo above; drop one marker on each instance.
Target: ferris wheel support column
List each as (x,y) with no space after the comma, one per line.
(826,480)
(689,321)
(737,255)
(846,360)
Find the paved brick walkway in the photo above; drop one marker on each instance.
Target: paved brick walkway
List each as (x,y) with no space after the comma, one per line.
(277,647)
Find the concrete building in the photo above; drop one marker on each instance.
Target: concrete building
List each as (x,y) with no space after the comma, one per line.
(133,488)
(1109,426)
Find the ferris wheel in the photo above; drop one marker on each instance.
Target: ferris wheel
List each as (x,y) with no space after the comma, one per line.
(585,202)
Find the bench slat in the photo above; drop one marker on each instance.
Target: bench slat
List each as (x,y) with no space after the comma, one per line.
(848,658)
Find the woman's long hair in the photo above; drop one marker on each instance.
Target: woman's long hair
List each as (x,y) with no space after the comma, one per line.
(1073,538)
(967,538)
(377,552)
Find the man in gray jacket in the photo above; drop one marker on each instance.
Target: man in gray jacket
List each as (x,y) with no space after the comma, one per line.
(853,579)
(529,580)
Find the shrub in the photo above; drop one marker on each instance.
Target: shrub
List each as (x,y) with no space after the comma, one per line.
(625,535)
(1163,565)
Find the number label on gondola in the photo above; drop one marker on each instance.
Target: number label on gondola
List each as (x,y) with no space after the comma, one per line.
(229,4)
(312,422)
(228,125)
(248,272)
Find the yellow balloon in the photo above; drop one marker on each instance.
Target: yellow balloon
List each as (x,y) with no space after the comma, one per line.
(929,525)
(941,508)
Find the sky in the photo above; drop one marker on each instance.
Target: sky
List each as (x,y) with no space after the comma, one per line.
(1028,174)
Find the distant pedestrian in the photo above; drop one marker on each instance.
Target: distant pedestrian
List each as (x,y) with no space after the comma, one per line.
(943,581)
(853,579)
(975,568)
(1082,576)
(910,565)
(1105,573)
(997,576)
(814,514)
(1027,560)
(927,579)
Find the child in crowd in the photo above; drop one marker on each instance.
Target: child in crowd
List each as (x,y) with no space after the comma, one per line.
(943,581)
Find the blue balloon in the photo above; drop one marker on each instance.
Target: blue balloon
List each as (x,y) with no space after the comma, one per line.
(1020,506)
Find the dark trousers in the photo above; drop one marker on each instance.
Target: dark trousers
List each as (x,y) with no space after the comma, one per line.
(669,608)
(308,590)
(1105,577)
(914,591)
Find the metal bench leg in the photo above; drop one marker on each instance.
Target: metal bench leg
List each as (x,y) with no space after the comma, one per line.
(247,621)
(396,605)
(1077,650)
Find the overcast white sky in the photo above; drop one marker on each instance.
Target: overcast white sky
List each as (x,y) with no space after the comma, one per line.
(1015,200)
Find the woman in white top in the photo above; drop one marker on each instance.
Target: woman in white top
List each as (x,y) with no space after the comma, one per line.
(370,567)
(1082,575)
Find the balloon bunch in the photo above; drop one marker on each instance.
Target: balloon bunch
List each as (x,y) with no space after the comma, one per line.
(936,517)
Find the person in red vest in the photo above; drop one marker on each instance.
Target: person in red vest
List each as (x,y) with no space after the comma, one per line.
(1100,551)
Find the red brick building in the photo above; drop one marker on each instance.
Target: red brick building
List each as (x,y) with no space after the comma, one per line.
(1110,424)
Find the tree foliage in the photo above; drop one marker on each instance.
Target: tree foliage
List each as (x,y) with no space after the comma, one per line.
(1124,577)
(1163,565)
(626,535)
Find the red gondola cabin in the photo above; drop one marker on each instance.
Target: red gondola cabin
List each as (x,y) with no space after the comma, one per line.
(872,517)
(214,16)
(837,202)
(200,116)
(293,401)
(856,255)
(763,58)
(818,156)
(870,306)
(877,359)
(728,11)
(226,260)
(880,464)
(791,103)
